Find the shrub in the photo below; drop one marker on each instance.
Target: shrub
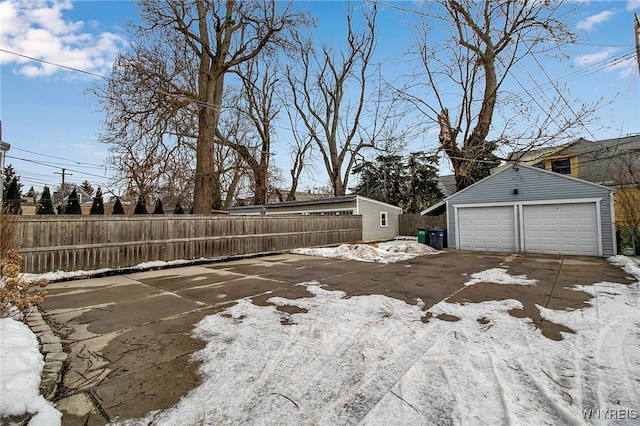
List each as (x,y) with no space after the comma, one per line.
(16,295)
(73,204)
(117,207)
(158,209)
(141,206)
(45,205)
(7,231)
(98,203)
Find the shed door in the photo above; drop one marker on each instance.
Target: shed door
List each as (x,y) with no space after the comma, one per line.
(561,229)
(487,228)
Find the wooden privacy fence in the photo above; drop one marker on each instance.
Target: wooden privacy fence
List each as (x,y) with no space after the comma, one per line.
(409,223)
(72,243)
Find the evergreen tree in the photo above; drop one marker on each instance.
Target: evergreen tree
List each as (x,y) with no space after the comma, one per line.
(73,205)
(11,191)
(31,193)
(141,205)
(86,187)
(422,184)
(383,180)
(98,203)
(12,199)
(45,206)
(117,207)
(178,209)
(412,185)
(9,174)
(158,209)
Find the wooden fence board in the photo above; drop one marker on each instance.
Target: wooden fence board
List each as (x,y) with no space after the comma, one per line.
(69,243)
(409,223)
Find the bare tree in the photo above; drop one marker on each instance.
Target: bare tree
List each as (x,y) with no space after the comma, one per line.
(467,67)
(192,46)
(251,120)
(320,86)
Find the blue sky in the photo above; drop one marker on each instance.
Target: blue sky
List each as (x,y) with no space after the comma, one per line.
(51,123)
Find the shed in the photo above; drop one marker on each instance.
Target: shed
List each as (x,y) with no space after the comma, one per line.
(379,220)
(531,210)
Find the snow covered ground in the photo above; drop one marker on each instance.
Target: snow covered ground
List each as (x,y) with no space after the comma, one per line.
(20,367)
(373,360)
(385,252)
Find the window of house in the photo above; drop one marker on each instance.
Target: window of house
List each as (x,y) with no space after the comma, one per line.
(561,165)
(383,219)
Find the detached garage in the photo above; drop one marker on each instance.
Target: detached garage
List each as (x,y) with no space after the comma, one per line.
(531,210)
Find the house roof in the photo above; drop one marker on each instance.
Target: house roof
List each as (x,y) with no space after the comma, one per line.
(440,207)
(535,155)
(447,184)
(332,200)
(435,210)
(595,158)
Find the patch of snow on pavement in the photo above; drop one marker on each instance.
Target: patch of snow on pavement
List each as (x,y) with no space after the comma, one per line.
(372,360)
(631,265)
(66,275)
(21,365)
(386,252)
(499,276)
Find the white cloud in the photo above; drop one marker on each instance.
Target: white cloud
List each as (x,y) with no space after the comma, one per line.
(633,5)
(605,59)
(39,29)
(626,67)
(592,58)
(594,20)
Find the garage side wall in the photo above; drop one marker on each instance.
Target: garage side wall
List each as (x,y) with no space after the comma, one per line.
(531,185)
(372,229)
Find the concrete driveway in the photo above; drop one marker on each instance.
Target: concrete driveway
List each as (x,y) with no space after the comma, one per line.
(128,336)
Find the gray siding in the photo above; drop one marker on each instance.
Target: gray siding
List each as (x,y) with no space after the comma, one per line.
(533,185)
(371,229)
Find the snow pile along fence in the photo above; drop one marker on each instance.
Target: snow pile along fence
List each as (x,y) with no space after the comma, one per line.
(88,243)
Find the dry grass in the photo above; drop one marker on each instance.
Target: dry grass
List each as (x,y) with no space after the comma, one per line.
(16,295)
(7,231)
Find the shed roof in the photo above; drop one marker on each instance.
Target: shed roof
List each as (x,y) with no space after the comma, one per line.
(332,200)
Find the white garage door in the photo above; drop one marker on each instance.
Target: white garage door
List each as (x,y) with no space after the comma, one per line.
(487,228)
(561,229)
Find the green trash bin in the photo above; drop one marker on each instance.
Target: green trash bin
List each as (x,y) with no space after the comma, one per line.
(422,236)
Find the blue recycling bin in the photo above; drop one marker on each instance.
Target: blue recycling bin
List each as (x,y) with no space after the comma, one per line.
(437,238)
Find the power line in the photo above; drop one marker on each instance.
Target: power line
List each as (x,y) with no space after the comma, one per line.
(53,64)
(78,163)
(56,166)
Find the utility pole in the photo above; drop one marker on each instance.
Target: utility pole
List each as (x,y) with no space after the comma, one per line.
(63,172)
(636,26)
(4,147)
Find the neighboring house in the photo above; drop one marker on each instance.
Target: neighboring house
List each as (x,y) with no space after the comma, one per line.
(447,184)
(526,209)
(593,161)
(379,220)
(59,201)
(605,162)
